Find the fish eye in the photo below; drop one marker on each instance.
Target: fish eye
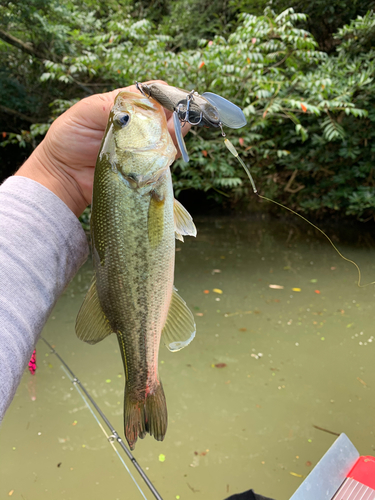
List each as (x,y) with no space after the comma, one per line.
(122,119)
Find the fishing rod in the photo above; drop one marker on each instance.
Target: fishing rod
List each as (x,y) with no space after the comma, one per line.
(114,435)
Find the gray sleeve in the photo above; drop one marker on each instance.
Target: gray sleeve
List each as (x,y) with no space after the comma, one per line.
(42,246)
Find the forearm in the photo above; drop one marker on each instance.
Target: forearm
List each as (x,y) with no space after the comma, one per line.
(42,245)
(53,176)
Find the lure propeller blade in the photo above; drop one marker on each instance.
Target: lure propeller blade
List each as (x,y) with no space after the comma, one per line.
(180,139)
(231,115)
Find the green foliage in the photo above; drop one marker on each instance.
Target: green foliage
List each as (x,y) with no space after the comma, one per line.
(326,17)
(310,136)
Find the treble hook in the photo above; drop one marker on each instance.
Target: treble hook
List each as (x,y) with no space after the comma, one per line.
(190,98)
(140,88)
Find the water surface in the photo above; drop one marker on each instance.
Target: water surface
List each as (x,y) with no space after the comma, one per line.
(293,359)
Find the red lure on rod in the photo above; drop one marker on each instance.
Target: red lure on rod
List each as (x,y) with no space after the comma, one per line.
(32,363)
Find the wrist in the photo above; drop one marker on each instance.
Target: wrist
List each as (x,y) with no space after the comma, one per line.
(54,177)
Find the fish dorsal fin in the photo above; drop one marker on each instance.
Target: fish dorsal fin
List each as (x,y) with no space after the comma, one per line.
(183,222)
(179,329)
(92,326)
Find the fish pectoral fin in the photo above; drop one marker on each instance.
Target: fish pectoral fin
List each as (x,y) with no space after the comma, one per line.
(183,222)
(179,329)
(155,220)
(92,325)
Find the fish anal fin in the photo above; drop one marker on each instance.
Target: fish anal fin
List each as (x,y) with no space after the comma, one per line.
(156,219)
(92,325)
(183,222)
(179,329)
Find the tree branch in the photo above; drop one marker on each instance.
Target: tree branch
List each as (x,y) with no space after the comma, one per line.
(21,115)
(25,47)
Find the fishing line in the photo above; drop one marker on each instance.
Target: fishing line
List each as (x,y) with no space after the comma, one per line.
(114,435)
(109,438)
(234,152)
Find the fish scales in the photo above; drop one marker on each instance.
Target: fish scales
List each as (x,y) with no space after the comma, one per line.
(134,222)
(134,280)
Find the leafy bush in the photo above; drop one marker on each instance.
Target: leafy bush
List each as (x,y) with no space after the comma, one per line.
(309,138)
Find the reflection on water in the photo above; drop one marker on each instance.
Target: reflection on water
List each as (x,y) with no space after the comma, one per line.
(267,364)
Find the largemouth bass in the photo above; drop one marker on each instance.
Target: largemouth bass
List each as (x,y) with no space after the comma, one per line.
(134,222)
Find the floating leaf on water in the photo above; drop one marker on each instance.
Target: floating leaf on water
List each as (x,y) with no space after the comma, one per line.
(317,291)
(75,422)
(199,314)
(206,291)
(308,463)
(217,290)
(214,271)
(296,289)
(313,281)
(276,287)
(161,457)
(242,329)
(220,365)
(108,381)
(295,474)
(11,493)
(362,381)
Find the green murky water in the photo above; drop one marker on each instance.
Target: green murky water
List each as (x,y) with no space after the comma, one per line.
(293,359)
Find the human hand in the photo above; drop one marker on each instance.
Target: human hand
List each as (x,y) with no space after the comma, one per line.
(64,161)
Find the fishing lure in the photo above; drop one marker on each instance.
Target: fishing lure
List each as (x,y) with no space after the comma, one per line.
(206,110)
(212,110)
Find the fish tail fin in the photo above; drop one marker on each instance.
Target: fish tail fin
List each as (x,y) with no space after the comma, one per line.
(156,414)
(145,416)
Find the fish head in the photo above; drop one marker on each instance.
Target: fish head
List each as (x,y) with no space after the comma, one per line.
(137,142)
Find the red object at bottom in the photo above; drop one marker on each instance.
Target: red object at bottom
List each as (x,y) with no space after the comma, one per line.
(363,471)
(360,482)
(32,363)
